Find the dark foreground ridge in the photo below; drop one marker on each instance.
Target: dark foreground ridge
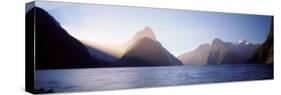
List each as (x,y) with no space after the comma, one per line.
(264,53)
(55,48)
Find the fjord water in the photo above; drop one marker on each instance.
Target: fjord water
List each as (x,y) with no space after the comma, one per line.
(94,79)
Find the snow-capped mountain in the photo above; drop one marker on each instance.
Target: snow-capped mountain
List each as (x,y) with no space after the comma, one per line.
(220,52)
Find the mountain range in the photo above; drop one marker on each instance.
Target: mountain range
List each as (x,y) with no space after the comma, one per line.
(220,52)
(55,49)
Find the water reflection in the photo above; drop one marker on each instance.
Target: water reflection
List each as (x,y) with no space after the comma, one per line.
(123,78)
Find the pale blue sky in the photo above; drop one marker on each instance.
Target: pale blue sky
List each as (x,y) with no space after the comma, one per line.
(179,31)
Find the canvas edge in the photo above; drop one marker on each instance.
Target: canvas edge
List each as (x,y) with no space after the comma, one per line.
(29,50)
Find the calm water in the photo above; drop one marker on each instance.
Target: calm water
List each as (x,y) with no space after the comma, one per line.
(122,78)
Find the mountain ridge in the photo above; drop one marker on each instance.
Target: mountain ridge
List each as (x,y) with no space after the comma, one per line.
(219,52)
(264,53)
(145,47)
(55,48)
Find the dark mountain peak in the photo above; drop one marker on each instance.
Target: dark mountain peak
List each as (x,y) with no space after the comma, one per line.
(147,32)
(43,14)
(144,50)
(217,40)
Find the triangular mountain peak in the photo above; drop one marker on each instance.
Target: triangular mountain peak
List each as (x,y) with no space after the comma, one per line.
(146,32)
(148,29)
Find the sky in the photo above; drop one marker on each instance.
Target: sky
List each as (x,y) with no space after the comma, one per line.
(179,31)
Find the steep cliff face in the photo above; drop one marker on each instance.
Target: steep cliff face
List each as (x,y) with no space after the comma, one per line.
(55,48)
(264,53)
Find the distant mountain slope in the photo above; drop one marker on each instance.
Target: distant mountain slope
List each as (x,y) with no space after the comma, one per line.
(197,56)
(106,52)
(264,53)
(99,54)
(55,48)
(219,52)
(145,50)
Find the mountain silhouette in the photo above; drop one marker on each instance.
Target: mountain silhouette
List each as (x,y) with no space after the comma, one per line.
(147,32)
(144,50)
(197,56)
(55,48)
(102,51)
(220,52)
(264,53)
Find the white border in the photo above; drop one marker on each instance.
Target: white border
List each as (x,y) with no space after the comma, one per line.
(12,48)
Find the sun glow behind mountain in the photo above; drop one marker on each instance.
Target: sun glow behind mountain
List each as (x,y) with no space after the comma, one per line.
(118,50)
(177,30)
